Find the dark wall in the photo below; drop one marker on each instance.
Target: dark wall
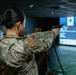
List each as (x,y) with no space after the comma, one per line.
(31,23)
(47,23)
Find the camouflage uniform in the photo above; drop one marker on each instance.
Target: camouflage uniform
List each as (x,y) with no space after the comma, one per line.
(18,53)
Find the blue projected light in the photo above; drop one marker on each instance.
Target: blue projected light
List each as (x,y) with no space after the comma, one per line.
(63,20)
(68,31)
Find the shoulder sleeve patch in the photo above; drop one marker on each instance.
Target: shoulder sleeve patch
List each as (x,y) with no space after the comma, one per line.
(31,42)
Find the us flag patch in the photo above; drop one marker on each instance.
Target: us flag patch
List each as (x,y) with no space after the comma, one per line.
(31,42)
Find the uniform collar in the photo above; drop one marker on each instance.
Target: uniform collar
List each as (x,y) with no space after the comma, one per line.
(11,36)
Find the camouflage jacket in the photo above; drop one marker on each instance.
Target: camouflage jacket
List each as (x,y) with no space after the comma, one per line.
(18,53)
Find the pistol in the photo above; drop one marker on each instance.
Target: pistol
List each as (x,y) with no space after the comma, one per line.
(57,26)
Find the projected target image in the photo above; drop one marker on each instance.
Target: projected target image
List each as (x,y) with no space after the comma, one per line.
(68,31)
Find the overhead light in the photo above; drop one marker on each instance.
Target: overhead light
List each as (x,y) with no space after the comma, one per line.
(52,12)
(31,6)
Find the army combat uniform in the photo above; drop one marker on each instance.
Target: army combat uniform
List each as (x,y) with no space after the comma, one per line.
(18,53)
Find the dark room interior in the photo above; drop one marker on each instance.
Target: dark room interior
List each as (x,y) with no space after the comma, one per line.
(44,14)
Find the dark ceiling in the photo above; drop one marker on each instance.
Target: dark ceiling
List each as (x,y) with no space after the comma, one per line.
(42,8)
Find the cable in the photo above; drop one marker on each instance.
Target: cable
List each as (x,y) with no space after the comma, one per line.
(58,58)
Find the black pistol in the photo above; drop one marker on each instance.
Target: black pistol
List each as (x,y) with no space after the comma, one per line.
(57,26)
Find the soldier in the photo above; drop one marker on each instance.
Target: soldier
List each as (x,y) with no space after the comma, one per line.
(18,53)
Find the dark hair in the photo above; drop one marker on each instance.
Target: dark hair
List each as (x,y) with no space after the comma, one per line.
(1,21)
(11,16)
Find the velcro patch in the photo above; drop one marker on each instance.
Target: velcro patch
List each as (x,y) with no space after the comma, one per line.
(31,42)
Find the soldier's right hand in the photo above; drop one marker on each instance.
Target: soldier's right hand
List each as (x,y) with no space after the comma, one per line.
(56,31)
